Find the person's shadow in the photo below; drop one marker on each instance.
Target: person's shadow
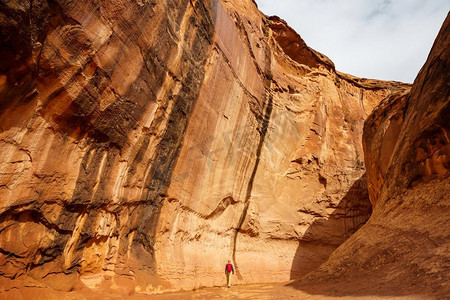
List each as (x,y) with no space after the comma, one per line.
(325,235)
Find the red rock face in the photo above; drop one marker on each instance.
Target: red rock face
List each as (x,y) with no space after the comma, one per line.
(145,143)
(403,248)
(380,138)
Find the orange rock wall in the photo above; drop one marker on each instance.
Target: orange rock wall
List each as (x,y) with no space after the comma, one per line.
(403,248)
(145,143)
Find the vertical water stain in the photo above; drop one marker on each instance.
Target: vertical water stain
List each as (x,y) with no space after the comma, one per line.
(264,119)
(193,60)
(108,130)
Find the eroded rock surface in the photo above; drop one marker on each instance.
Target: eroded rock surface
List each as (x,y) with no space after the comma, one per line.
(404,247)
(144,143)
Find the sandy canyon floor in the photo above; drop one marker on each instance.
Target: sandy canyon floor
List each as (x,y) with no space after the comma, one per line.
(286,290)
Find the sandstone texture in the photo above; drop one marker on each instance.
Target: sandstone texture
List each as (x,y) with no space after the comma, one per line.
(404,247)
(144,143)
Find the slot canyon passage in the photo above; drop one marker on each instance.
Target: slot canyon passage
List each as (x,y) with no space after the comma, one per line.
(144,143)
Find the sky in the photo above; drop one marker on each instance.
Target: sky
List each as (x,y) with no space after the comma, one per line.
(379,39)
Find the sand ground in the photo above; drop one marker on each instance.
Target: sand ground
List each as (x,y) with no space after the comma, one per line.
(254,291)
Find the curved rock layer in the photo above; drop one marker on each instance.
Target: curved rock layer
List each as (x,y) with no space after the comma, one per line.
(404,247)
(144,143)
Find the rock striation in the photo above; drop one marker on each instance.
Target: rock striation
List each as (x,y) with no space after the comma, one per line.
(403,248)
(144,143)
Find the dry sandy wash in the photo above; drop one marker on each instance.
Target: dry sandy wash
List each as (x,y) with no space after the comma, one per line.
(144,143)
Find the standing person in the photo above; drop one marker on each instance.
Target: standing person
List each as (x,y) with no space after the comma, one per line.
(228,270)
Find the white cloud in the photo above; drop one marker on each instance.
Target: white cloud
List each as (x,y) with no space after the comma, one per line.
(383,39)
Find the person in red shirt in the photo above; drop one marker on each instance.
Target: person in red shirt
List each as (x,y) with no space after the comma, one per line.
(228,270)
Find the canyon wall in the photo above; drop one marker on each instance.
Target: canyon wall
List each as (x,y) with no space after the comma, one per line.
(145,143)
(404,247)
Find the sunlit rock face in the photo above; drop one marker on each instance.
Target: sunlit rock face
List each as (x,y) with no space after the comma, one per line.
(403,248)
(144,143)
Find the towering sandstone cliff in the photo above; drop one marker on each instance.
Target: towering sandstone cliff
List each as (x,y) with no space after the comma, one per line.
(146,142)
(404,247)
